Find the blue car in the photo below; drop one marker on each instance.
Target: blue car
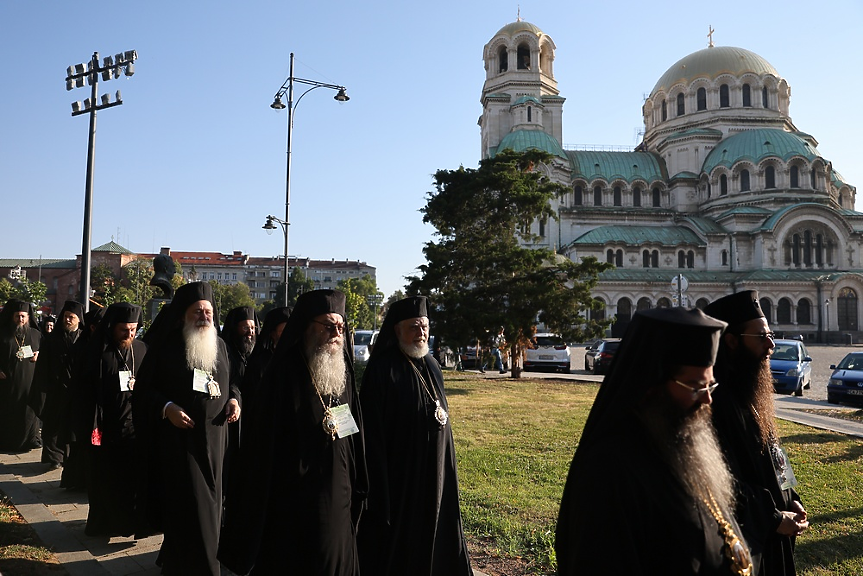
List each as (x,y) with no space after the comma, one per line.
(791,366)
(846,382)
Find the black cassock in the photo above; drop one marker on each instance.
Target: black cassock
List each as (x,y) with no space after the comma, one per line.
(104,422)
(760,499)
(624,512)
(183,495)
(19,427)
(413,522)
(302,491)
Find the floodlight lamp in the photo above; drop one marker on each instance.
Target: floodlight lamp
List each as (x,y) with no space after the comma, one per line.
(79,68)
(76,107)
(119,98)
(118,58)
(130,69)
(79,82)
(87,103)
(278,104)
(130,56)
(70,70)
(108,62)
(341,96)
(70,83)
(106,75)
(105,99)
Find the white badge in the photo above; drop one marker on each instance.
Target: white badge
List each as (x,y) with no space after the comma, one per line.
(126,380)
(200,381)
(344,420)
(25,352)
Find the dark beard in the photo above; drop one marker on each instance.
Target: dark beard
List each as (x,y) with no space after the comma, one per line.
(245,347)
(754,389)
(124,345)
(21,330)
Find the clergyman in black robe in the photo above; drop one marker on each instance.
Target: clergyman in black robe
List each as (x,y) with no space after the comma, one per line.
(102,398)
(20,340)
(182,402)
(259,359)
(770,511)
(413,523)
(648,491)
(302,454)
(51,383)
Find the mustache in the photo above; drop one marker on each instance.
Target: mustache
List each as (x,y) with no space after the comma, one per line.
(203,323)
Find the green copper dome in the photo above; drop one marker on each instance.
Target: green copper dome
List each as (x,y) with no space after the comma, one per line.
(521,26)
(756,145)
(711,62)
(521,140)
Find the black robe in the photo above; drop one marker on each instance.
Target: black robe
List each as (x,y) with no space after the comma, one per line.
(19,426)
(303,491)
(112,464)
(50,393)
(760,498)
(413,522)
(623,512)
(183,495)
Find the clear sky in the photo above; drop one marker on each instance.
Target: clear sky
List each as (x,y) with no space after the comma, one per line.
(195,158)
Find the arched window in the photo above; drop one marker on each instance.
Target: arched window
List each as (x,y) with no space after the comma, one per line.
(783,311)
(664,111)
(701,303)
(747,96)
(681,108)
(643,304)
(708,190)
(656,198)
(663,303)
(795,177)
(847,309)
(812,177)
(807,248)
(804,312)
(681,259)
(597,196)
(636,196)
(725,257)
(770,177)
(701,97)
(723,96)
(503,60)
(819,248)
(578,198)
(618,258)
(618,199)
(624,309)
(609,256)
(744,181)
(528,114)
(523,60)
(795,250)
(690,259)
(598,311)
(765,101)
(542,227)
(723,185)
(645,259)
(767,308)
(654,259)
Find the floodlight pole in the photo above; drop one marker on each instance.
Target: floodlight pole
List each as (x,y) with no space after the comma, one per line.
(91,73)
(288,88)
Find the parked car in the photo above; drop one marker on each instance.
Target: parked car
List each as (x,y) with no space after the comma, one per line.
(846,382)
(597,359)
(445,355)
(550,351)
(791,366)
(364,340)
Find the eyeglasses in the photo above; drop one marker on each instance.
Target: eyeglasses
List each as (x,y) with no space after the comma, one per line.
(763,335)
(696,392)
(330,327)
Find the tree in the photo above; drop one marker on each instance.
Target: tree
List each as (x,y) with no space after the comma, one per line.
(138,274)
(104,285)
(30,291)
(230,296)
(479,275)
(7,291)
(358,292)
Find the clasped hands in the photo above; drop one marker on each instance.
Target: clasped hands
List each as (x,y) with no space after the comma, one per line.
(178,417)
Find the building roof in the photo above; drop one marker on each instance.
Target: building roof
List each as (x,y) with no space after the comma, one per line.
(521,140)
(36,263)
(756,145)
(637,235)
(745,211)
(514,28)
(524,99)
(705,225)
(112,247)
(710,63)
(665,275)
(628,166)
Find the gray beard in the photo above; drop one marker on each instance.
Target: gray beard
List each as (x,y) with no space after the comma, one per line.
(416,351)
(201,347)
(689,445)
(21,330)
(245,347)
(327,368)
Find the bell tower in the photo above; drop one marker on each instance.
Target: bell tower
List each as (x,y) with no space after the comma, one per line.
(520,92)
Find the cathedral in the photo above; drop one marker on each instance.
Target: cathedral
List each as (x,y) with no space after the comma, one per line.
(724,193)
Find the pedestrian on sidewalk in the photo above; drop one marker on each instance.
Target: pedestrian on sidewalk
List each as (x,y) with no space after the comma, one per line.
(20,341)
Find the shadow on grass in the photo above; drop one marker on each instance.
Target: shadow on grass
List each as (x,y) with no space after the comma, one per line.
(845,550)
(811,438)
(837,516)
(28,567)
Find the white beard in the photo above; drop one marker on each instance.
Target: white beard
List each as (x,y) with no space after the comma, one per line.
(414,350)
(701,462)
(201,346)
(327,367)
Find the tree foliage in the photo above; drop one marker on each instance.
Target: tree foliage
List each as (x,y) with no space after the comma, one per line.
(230,296)
(25,290)
(358,293)
(481,271)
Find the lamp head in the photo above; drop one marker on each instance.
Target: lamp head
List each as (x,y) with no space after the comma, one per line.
(341,96)
(278,104)
(269,226)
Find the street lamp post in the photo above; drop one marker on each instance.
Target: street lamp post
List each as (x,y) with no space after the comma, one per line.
(374,300)
(288,89)
(75,77)
(269,227)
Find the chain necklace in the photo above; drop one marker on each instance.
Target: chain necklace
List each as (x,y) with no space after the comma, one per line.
(439,413)
(735,548)
(20,353)
(126,366)
(329,422)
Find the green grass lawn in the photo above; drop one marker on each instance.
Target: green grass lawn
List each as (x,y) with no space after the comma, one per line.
(515,439)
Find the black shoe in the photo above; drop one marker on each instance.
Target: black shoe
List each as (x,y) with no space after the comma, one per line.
(54,466)
(503,371)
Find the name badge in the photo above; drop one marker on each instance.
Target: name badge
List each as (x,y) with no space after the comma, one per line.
(784,474)
(127,381)
(200,381)
(24,352)
(345,420)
